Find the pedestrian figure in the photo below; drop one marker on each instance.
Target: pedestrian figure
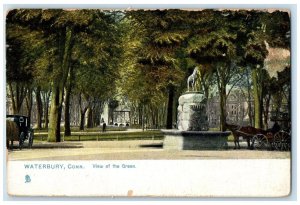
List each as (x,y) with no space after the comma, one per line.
(104,127)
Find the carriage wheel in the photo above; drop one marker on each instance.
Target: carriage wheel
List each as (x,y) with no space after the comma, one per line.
(282,141)
(260,142)
(289,142)
(277,141)
(30,139)
(21,140)
(286,141)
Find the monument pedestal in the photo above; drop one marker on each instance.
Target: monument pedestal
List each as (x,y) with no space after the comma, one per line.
(195,140)
(192,112)
(192,125)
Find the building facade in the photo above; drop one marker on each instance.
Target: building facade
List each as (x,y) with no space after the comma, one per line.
(238,110)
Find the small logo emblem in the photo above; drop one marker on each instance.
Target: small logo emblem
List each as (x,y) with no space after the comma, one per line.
(27,179)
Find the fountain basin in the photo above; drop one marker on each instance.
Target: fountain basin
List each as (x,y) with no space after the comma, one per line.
(195,140)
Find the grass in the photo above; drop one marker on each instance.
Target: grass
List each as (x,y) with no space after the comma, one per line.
(86,136)
(94,129)
(230,138)
(214,129)
(151,135)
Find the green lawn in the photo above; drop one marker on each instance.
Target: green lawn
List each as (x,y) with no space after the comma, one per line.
(94,129)
(154,135)
(88,136)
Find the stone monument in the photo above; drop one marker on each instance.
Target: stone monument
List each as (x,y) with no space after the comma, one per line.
(192,112)
(192,123)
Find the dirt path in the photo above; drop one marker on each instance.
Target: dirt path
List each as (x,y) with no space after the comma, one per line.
(131,150)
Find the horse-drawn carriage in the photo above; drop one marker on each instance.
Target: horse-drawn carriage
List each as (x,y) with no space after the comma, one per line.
(276,138)
(18,129)
(279,141)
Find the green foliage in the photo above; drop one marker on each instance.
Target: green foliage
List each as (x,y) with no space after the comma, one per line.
(278,29)
(255,50)
(138,54)
(60,43)
(21,44)
(157,50)
(218,45)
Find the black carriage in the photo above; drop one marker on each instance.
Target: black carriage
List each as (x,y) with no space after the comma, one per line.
(276,139)
(25,131)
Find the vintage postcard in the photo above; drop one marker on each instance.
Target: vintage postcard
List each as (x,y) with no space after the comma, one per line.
(149,102)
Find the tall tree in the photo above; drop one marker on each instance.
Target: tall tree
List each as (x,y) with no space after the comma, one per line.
(49,23)
(39,107)
(97,54)
(60,30)
(215,43)
(271,29)
(164,34)
(19,70)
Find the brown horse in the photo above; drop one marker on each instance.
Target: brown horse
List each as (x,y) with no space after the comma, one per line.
(246,132)
(12,132)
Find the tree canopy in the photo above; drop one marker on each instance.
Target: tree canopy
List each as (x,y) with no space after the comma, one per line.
(141,55)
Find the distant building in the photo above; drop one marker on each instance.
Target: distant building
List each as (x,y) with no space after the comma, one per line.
(237,108)
(117,114)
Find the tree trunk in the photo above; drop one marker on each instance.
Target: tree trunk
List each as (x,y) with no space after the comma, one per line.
(46,98)
(29,103)
(205,79)
(98,109)
(222,107)
(83,109)
(67,111)
(266,111)
(39,107)
(82,118)
(257,100)
(17,94)
(54,121)
(69,84)
(65,41)
(153,116)
(140,112)
(249,96)
(143,117)
(89,123)
(250,105)
(170,108)
(221,82)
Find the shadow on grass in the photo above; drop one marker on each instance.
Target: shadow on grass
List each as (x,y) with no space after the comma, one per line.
(64,145)
(154,145)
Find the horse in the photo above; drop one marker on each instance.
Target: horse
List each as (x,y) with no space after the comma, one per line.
(192,79)
(246,132)
(12,132)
